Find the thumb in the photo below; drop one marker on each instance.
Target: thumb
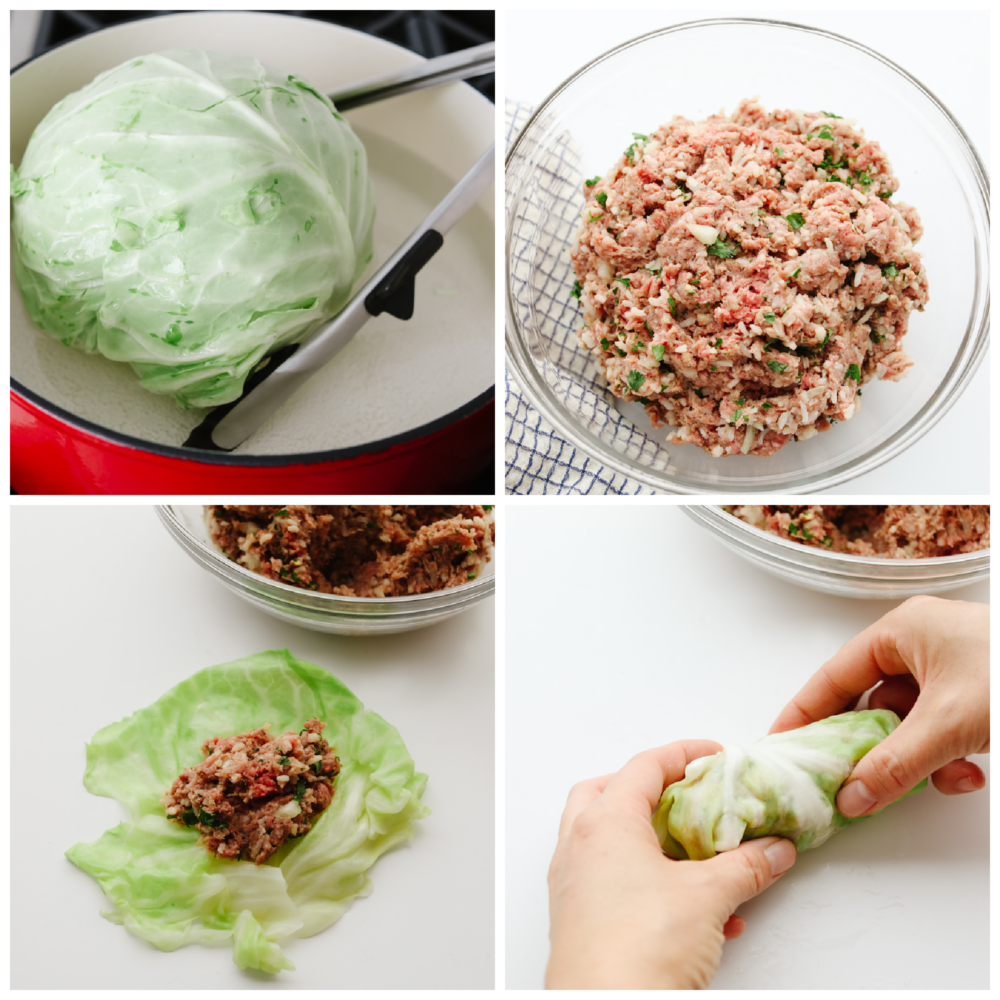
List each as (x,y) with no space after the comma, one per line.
(749,869)
(896,765)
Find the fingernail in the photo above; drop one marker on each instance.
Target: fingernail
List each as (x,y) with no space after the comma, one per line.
(780,856)
(966,785)
(855,799)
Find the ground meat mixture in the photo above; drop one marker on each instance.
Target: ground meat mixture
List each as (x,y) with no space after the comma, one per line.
(253,791)
(890,531)
(377,551)
(743,277)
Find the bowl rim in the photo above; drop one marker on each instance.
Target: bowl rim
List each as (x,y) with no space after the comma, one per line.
(715,511)
(969,354)
(170,519)
(207,457)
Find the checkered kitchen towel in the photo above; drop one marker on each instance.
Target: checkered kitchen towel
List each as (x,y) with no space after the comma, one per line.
(537,459)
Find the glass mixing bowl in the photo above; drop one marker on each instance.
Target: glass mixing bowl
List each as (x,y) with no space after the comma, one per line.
(694,70)
(836,573)
(321,612)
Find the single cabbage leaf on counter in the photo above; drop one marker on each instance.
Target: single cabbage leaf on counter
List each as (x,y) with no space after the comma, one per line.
(189,213)
(784,785)
(169,890)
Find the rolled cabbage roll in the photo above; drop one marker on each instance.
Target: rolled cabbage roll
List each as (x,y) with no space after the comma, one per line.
(783,785)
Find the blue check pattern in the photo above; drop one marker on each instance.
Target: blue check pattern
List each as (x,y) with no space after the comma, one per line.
(537,459)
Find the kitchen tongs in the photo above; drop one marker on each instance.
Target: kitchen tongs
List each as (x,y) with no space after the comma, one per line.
(464,65)
(390,290)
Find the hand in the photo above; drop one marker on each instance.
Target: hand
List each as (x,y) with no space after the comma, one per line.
(930,660)
(623,915)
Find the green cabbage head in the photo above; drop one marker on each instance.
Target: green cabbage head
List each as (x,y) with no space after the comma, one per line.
(190,212)
(164,887)
(784,785)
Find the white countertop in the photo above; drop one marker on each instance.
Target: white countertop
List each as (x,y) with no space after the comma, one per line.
(543,47)
(108,613)
(613,647)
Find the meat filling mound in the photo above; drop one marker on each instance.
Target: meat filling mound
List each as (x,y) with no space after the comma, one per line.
(891,531)
(358,551)
(254,791)
(743,277)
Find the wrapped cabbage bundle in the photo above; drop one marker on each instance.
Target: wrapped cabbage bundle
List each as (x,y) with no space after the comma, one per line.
(190,213)
(783,785)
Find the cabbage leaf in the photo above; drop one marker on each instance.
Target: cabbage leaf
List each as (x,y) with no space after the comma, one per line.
(784,785)
(167,889)
(188,213)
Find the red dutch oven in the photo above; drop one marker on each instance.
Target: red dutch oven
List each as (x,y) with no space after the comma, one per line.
(52,451)
(55,451)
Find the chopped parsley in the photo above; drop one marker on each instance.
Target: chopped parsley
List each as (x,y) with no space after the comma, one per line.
(635,380)
(777,151)
(718,342)
(766,406)
(795,273)
(672,304)
(722,249)
(592,181)
(577,289)
(209,819)
(658,350)
(828,541)
(825,132)
(620,352)
(601,198)
(646,325)
(885,194)
(604,344)
(769,317)
(829,114)
(854,372)
(795,220)
(776,366)
(627,282)
(890,270)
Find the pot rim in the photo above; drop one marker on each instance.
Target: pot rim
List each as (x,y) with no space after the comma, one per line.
(88,427)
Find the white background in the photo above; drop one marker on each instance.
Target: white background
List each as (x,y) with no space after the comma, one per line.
(947,51)
(628,627)
(108,613)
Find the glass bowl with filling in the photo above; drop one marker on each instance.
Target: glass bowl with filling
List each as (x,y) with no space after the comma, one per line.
(562,162)
(820,551)
(358,571)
